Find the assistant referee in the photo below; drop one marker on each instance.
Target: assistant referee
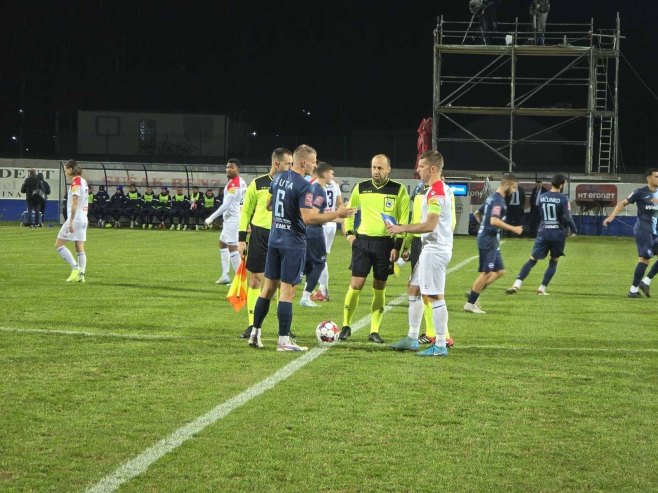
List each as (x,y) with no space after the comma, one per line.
(372,247)
(256,215)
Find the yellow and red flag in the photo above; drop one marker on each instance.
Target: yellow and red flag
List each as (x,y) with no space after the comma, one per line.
(237,294)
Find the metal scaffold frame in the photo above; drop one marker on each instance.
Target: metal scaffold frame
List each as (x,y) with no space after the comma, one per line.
(575,47)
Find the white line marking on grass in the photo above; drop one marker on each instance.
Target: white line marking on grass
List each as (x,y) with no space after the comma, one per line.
(86,334)
(565,349)
(139,464)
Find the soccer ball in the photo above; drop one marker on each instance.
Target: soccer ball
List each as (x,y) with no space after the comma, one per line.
(327,332)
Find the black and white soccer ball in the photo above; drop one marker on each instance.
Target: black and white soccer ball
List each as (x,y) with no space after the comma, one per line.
(327,332)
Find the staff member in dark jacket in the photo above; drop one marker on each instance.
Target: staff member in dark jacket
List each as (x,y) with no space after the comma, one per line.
(117,205)
(28,188)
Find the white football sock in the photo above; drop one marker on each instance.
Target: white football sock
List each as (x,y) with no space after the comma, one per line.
(440,317)
(646,280)
(235,260)
(66,254)
(226,261)
(82,261)
(324,280)
(416,309)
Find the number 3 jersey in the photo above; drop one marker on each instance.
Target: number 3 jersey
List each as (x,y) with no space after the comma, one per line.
(290,194)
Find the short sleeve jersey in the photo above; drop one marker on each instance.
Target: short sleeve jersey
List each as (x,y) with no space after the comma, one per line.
(254,205)
(647,209)
(438,200)
(488,235)
(333,192)
(80,189)
(555,212)
(319,202)
(236,188)
(290,193)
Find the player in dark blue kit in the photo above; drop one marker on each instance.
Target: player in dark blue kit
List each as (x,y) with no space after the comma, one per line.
(292,209)
(555,213)
(491,216)
(316,248)
(645,231)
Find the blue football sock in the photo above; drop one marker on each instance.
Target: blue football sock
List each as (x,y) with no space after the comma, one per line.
(473,297)
(284,313)
(640,269)
(260,311)
(653,271)
(550,272)
(525,270)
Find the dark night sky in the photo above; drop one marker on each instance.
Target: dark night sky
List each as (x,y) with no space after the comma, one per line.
(358,64)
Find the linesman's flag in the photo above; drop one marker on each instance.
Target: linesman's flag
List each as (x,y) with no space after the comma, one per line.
(237,294)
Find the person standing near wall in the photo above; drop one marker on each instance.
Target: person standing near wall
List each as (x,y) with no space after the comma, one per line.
(28,188)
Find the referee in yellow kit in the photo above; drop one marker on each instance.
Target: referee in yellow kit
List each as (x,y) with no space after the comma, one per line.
(255,214)
(372,247)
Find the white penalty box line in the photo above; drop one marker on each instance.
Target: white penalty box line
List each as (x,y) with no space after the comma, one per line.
(139,464)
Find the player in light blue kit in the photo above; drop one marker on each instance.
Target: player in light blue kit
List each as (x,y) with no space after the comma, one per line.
(292,209)
(645,231)
(555,214)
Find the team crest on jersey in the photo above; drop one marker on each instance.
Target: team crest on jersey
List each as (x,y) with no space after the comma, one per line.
(308,200)
(389,204)
(319,200)
(495,211)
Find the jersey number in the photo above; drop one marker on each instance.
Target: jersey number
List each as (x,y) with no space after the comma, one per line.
(549,212)
(278,203)
(330,199)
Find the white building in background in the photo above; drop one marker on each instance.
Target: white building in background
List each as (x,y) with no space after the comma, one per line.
(113,133)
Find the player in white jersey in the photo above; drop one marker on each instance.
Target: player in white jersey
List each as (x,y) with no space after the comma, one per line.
(230,209)
(429,276)
(334,201)
(75,227)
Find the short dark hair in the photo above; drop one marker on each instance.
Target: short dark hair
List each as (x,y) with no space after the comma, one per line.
(323,168)
(280,152)
(558,180)
(434,157)
(234,161)
(509,178)
(650,172)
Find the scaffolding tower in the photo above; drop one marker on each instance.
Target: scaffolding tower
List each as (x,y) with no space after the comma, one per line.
(584,67)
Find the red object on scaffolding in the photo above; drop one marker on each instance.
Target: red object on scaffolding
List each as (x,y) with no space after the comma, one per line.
(424,140)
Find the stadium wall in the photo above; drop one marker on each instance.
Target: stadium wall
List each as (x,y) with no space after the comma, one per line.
(590,202)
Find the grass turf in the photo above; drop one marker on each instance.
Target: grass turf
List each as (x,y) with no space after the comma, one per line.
(554,393)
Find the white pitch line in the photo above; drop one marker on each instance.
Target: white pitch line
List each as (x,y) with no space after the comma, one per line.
(565,349)
(86,334)
(139,464)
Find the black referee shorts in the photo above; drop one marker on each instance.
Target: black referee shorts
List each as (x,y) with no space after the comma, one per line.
(414,254)
(372,252)
(257,249)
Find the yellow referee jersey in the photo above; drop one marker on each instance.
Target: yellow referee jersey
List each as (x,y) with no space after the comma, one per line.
(254,205)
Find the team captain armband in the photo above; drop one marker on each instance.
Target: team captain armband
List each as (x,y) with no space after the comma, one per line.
(242,236)
(434,205)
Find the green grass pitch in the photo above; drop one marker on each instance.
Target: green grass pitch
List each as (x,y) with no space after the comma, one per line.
(550,394)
